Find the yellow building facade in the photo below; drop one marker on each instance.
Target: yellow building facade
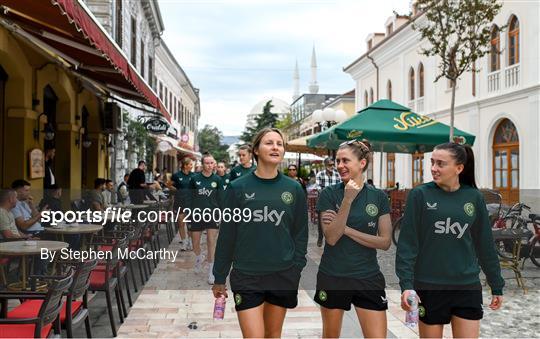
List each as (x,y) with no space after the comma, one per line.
(32,83)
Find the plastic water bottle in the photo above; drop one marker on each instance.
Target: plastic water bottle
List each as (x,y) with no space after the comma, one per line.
(219,308)
(411,317)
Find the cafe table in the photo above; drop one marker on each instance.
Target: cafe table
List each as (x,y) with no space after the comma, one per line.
(23,249)
(83,229)
(131,206)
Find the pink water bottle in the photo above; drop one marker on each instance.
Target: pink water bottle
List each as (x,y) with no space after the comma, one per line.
(219,308)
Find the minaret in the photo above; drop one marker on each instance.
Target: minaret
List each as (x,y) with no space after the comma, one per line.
(313,86)
(296,82)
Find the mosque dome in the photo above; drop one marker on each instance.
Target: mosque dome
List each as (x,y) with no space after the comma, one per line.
(280,106)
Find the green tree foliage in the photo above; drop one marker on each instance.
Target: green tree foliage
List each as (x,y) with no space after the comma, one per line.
(458,33)
(263,120)
(284,123)
(137,136)
(210,141)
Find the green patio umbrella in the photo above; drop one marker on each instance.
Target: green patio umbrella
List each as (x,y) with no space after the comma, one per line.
(390,127)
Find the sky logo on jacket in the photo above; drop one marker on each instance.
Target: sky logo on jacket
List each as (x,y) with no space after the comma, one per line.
(205,191)
(266,215)
(447,227)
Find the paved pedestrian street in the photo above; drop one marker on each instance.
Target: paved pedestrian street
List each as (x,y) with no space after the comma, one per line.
(177,302)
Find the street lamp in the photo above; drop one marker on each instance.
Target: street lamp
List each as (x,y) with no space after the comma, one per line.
(48,129)
(328,115)
(86,142)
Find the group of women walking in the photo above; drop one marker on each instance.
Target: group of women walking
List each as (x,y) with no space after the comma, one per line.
(199,197)
(445,237)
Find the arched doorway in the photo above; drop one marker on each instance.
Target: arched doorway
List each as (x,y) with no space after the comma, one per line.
(3,80)
(506,161)
(49,105)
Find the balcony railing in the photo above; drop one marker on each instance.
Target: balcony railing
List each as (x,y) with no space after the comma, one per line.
(511,76)
(494,81)
(412,105)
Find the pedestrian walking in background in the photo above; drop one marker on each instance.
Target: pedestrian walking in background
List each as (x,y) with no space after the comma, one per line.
(246,163)
(328,176)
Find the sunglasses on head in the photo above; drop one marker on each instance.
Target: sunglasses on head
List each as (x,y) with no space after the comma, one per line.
(354,142)
(349,142)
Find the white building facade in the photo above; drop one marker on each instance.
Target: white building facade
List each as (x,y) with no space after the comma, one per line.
(136,27)
(500,104)
(181,99)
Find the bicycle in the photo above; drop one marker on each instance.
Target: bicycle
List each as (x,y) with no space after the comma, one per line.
(534,241)
(509,229)
(518,229)
(398,208)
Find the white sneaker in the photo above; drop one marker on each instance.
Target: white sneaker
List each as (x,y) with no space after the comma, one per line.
(211,274)
(199,261)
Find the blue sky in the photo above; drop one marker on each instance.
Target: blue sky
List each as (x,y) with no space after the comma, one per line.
(238,52)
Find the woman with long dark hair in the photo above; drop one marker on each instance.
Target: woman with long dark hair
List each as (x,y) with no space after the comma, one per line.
(445,234)
(267,250)
(356,223)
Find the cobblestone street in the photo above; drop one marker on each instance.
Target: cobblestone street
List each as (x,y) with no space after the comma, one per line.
(176,297)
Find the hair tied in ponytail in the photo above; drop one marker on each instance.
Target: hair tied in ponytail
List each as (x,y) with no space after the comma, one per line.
(463,155)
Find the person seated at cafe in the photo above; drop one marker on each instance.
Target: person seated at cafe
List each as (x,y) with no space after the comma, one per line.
(156,189)
(27,216)
(122,191)
(94,198)
(8,229)
(109,197)
(52,199)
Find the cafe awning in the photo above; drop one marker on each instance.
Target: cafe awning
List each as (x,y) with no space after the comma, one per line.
(177,146)
(68,30)
(390,127)
(299,145)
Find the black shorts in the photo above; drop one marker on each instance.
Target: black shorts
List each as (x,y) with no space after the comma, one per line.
(278,288)
(341,292)
(439,305)
(199,227)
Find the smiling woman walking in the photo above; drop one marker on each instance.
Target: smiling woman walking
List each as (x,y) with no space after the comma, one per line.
(445,234)
(356,222)
(267,248)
